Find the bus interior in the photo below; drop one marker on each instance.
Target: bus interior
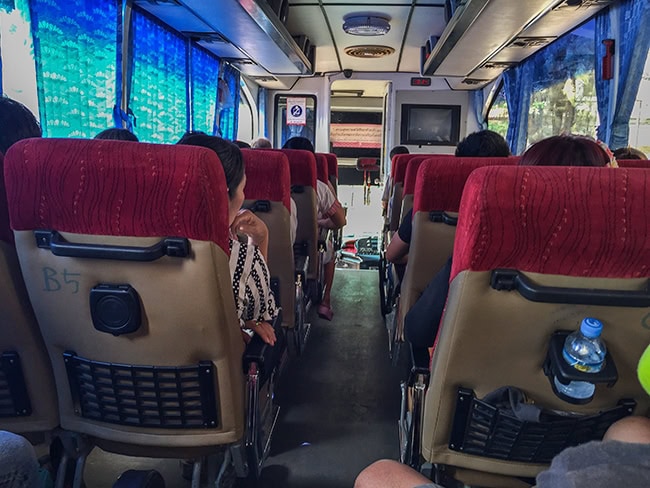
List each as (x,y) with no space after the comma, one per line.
(117,303)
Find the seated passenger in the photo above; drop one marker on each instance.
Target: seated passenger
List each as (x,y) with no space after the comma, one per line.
(330,216)
(622,458)
(18,464)
(422,320)
(388,184)
(256,306)
(242,144)
(629,153)
(16,123)
(482,144)
(261,143)
(117,134)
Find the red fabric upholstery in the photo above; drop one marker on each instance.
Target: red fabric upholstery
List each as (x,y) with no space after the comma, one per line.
(404,158)
(367,164)
(6,233)
(440,181)
(410,177)
(572,221)
(400,163)
(321,167)
(302,167)
(105,187)
(634,163)
(332,165)
(267,176)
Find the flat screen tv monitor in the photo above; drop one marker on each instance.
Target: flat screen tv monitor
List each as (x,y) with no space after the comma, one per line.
(430,125)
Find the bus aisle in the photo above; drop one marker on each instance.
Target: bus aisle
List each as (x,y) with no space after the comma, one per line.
(340,400)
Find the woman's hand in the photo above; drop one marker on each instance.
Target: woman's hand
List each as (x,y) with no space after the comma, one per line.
(247,223)
(264,330)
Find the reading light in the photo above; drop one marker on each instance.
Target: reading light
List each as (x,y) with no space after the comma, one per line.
(366,25)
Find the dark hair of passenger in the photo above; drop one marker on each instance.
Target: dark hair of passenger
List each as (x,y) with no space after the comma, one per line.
(229,155)
(398,150)
(116,134)
(629,153)
(242,144)
(16,123)
(483,144)
(299,143)
(565,150)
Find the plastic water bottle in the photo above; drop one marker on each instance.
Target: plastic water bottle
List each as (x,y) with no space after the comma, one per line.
(585,351)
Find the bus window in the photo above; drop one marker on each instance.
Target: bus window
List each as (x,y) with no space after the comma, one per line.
(245,127)
(564,92)
(640,118)
(498,114)
(285,131)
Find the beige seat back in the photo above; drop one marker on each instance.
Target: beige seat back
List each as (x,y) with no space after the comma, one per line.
(537,250)
(302,168)
(124,251)
(438,187)
(268,194)
(28,403)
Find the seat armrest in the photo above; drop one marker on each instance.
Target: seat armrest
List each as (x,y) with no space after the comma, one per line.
(266,356)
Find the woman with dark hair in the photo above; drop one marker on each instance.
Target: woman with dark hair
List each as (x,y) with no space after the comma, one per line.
(330,216)
(117,134)
(250,275)
(567,150)
(16,123)
(629,153)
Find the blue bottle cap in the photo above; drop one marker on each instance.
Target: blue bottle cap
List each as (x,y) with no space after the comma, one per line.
(591,327)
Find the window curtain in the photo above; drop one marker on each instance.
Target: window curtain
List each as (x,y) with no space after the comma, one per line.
(205,81)
(603,98)
(75,65)
(229,102)
(158,95)
(633,17)
(478,98)
(518,86)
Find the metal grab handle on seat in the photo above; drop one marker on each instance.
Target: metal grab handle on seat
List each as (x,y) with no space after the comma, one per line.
(511,279)
(178,247)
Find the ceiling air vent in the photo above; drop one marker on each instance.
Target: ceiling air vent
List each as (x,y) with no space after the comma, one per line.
(264,79)
(498,65)
(240,61)
(209,37)
(368,52)
(474,81)
(531,42)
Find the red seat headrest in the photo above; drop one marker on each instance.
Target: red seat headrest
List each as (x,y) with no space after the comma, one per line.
(321,167)
(267,176)
(572,221)
(440,181)
(106,187)
(332,165)
(634,163)
(302,167)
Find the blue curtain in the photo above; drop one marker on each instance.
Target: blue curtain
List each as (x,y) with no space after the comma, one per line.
(205,81)
(602,86)
(158,95)
(68,47)
(229,103)
(479,102)
(518,86)
(633,44)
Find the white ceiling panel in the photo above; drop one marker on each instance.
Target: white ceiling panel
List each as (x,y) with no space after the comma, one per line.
(425,22)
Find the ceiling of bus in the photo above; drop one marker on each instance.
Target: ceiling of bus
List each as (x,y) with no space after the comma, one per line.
(470,48)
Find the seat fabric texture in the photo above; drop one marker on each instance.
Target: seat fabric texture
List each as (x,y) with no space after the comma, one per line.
(267,178)
(19,334)
(581,228)
(131,194)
